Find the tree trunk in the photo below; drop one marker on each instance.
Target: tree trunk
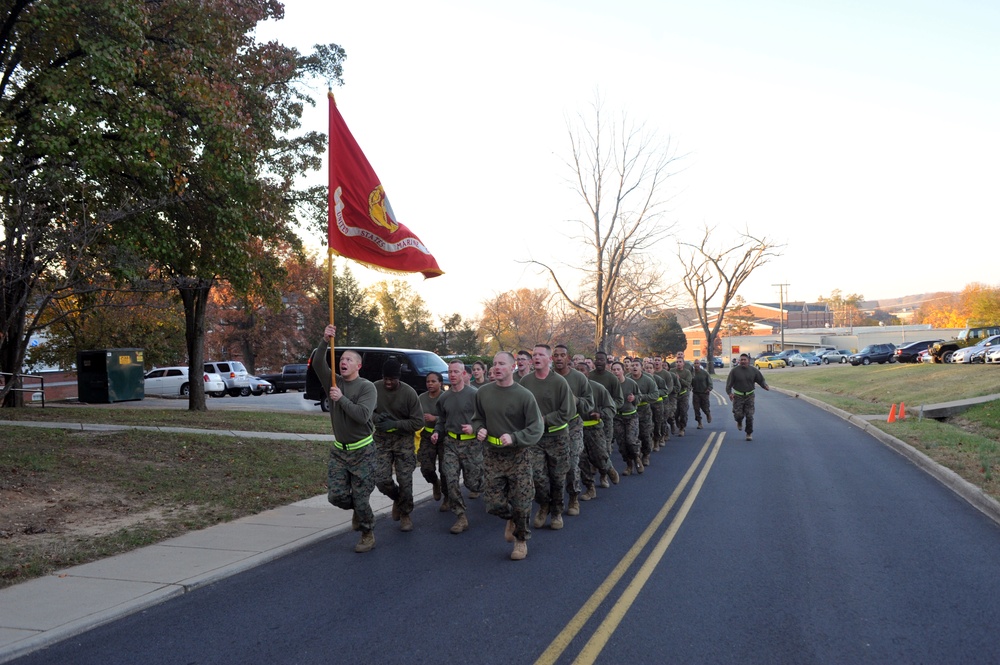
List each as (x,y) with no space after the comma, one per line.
(194,293)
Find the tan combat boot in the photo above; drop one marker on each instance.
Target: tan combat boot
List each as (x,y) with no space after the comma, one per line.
(508,531)
(405,523)
(445,506)
(614,475)
(628,469)
(604,481)
(639,468)
(367,542)
(557,522)
(573,509)
(460,525)
(591,493)
(645,460)
(395,511)
(543,512)
(520,550)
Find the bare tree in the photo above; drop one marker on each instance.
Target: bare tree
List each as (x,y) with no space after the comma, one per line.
(715,276)
(619,171)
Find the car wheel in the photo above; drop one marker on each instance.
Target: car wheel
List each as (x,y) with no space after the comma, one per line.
(769,366)
(324,404)
(946,358)
(235,392)
(185,390)
(245,392)
(866,361)
(219,393)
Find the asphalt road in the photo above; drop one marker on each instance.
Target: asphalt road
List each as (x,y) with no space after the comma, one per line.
(812,544)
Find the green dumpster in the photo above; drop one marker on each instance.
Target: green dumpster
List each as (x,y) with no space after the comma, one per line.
(109,375)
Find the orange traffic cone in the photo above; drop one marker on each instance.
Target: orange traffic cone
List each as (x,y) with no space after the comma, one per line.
(892,414)
(902,411)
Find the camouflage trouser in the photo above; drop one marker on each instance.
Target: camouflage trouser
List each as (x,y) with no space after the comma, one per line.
(350,479)
(508,486)
(681,417)
(671,412)
(743,408)
(429,457)
(609,435)
(550,464)
(701,402)
(575,453)
(595,456)
(395,453)
(463,458)
(645,429)
(627,436)
(659,420)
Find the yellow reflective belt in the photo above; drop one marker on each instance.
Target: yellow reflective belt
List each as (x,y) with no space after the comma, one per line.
(461,437)
(627,413)
(429,430)
(354,446)
(659,399)
(683,392)
(643,403)
(495,441)
(591,423)
(737,392)
(553,430)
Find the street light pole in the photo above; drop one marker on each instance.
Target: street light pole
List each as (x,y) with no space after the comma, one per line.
(781,313)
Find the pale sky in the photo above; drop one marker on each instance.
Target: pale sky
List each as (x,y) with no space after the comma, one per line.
(862,135)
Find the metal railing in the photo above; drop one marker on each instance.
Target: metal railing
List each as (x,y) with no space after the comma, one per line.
(18,380)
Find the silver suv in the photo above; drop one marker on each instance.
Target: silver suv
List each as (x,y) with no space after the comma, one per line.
(234,374)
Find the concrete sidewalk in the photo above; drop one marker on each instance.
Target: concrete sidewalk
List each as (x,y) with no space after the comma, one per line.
(46,610)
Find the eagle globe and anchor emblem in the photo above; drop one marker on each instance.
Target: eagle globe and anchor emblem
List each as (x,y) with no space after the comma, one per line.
(380,211)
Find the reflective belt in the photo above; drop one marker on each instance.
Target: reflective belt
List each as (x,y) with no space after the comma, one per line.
(429,430)
(574,417)
(390,430)
(354,446)
(659,399)
(683,392)
(737,392)
(553,430)
(627,413)
(495,441)
(461,437)
(591,423)
(643,403)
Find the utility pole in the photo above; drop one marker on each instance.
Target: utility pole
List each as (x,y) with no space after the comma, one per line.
(781,313)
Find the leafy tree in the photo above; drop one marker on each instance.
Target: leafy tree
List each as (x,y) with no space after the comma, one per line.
(739,318)
(981,303)
(662,335)
(403,316)
(516,320)
(619,169)
(457,337)
(714,277)
(356,317)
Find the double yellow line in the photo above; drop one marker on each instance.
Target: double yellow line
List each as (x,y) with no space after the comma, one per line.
(600,638)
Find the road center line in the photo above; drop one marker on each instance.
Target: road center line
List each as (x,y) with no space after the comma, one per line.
(607,628)
(563,639)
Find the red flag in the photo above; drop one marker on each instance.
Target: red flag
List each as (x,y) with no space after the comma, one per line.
(361,223)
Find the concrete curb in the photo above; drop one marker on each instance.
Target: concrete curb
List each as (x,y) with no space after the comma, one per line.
(979,499)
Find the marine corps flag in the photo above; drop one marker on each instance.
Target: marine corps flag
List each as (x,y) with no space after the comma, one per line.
(361,223)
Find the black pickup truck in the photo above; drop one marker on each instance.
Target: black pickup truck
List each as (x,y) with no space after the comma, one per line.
(292,377)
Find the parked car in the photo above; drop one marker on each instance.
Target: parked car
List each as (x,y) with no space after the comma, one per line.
(415,365)
(770,362)
(925,356)
(803,359)
(233,373)
(291,377)
(839,357)
(786,354)
(717,361)
(993,355)
(942,351)
(173,381)
(258,387)
(874,353)
(908,353)
(977,352)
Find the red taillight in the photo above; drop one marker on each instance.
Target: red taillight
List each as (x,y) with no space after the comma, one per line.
(206,378)
(232,375)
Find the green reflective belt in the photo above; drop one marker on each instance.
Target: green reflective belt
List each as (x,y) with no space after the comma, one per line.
(627,413)
(683,392)
(354,446)
(737,392)
(574,417)
(461,437)
(553,430)
(643,403)
(591,423)
(429,430)
(390,430)
(659,399)
(495,441)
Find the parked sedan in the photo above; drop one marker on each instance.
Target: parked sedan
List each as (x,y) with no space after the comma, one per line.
(909,353)
(769,362)
(839,357)
(993,355)
(173,381)
(803,359)
(257,387)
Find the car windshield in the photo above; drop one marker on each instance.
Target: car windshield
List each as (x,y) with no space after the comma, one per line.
(238,366)
(424,362)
